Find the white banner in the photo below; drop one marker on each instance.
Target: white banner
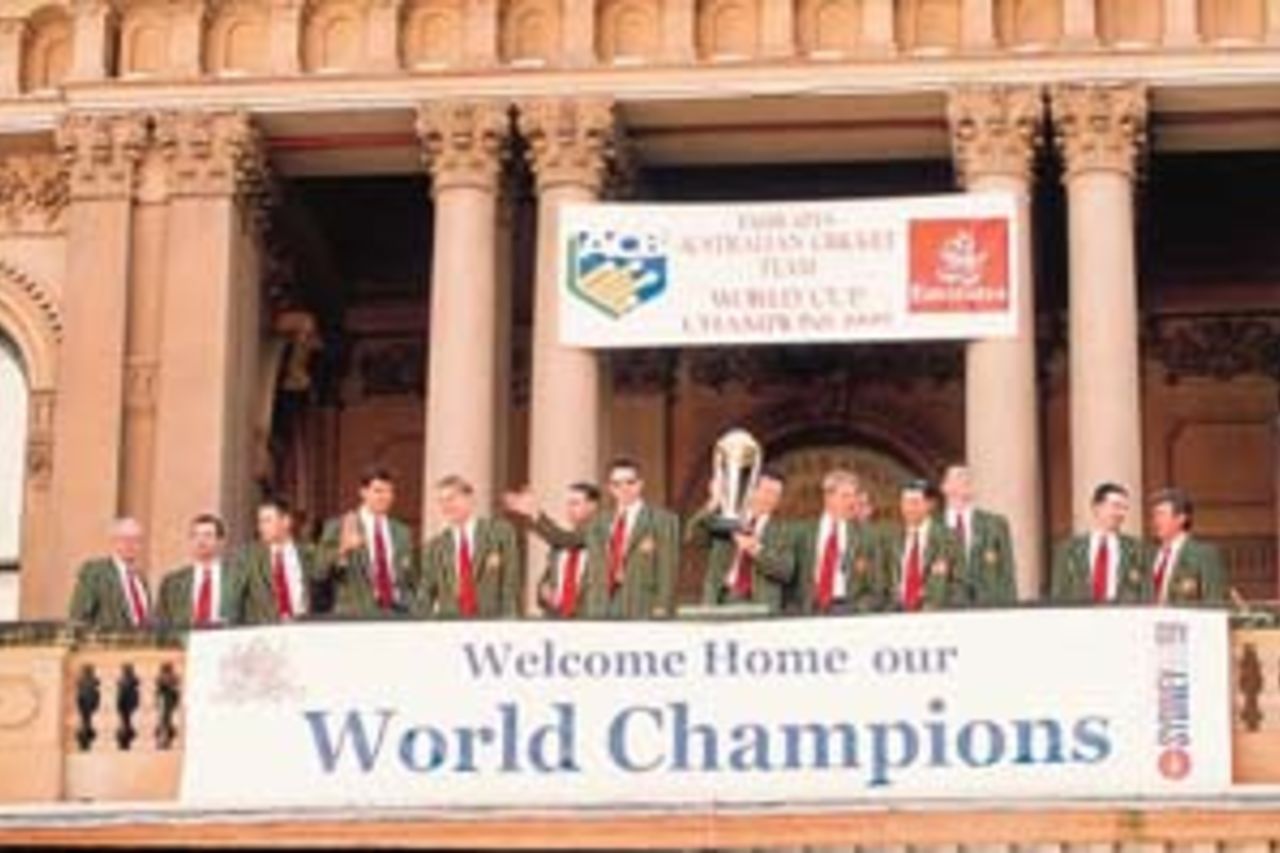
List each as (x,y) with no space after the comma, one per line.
(1000,705)
(920,268)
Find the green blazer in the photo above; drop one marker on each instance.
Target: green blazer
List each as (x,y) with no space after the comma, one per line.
(649,567)
(352,576)
(1072,573)
(496,568)
(1198,576)
(860,556)
(173,608)
(942,564)
(987,565)
(260,594)
(99,600)
(773,568)
(550,580)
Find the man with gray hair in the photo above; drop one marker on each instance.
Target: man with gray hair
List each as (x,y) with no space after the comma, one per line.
(111,593)
(986,567)
(834,554)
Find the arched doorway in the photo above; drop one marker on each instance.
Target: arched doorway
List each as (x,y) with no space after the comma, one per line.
(13,442)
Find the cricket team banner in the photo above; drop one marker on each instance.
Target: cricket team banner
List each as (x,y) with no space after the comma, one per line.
(999,705)
(652,275)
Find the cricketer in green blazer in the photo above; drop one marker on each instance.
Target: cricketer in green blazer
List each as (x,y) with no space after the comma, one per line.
(986,556)
(855,566)
(649,563)
(1196,575)
(771,569)
(345,559)
(100,599)
(552,587)
(176,605)
(262,601)
(496,571)
(941,560)
(1072,573)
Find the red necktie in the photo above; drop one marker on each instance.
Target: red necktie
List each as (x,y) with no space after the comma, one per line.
(466,577)
(137,600)
(1162,567)
(569,589)
(283,605)
(204,597)
(913,582)
(744,568)
(382,588)
(617,548)
(1101,571)
(827,570)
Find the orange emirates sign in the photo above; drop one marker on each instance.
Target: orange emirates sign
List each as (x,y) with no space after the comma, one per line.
(958,265)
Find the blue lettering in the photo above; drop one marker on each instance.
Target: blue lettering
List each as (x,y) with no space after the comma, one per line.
(618,731)
(353,726)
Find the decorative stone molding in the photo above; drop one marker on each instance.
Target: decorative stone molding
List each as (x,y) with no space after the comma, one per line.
(1100,127)
(212,154)
(1221,347)
(571,140)
(99,153)
(40,298)
(995,130)
(463,142)
(140,382)
(40,438)
(33,193)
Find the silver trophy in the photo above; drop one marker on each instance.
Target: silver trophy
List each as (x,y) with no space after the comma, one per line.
(736,463)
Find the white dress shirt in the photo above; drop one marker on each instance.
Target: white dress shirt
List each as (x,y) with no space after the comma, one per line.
(840,589)
(632,513)
(1113,560)
(129,578)
(464,532)
(953,516)
(562,573)
(923,533)
(369,524)
(214,567)
(757,529)
(1175,548)
(294,581)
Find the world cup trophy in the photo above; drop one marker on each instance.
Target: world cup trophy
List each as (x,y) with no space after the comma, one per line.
(735,469)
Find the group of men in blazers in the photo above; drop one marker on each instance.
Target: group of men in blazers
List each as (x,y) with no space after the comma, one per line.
(622,562)
(1105,564)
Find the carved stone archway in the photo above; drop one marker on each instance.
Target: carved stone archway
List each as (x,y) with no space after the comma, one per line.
(29,317)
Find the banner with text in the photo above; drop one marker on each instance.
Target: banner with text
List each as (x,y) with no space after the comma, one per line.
(1017,704)
(933,267)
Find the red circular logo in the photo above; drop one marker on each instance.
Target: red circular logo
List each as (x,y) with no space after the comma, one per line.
(1175,764)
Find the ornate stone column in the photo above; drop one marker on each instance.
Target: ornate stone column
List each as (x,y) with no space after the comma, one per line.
(90,40)
(1101,131)
(571,142)
(100,153)
(995,134)
(142,338)
(462,145)
(210,327)
(12,33)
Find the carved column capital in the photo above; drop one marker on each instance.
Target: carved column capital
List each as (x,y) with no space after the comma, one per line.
(995,130)
(1100,127)
(212,153)
(571,140)
(33,193)
(463,142)
(100,153)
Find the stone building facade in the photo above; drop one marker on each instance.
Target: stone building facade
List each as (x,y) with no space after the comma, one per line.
(258,244)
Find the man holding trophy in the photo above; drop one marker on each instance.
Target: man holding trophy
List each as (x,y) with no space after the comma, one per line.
(750,559)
